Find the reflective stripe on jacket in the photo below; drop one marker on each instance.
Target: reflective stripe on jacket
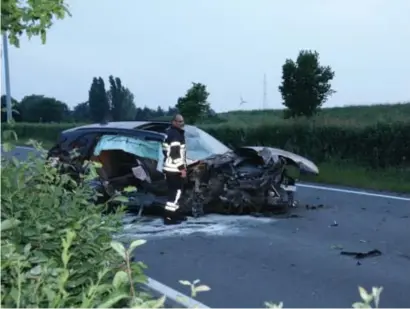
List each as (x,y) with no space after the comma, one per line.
(174,150)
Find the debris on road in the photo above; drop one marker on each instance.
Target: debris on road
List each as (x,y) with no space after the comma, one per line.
(310,207)
(362,255)
(406,256)
(334,224)
(294,216)
(313,207)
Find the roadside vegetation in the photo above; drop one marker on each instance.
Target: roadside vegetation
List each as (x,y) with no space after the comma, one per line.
(57,247)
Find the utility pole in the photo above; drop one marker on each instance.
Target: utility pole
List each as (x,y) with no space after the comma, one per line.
(7,76)
(264,92)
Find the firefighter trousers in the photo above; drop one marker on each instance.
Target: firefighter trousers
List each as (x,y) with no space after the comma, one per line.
(175,185)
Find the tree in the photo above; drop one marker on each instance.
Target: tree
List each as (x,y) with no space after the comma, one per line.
(121,100)
(172,110)
(159,112)
(38,108)
(33,18)
(81,112)
(305,84)
(147,113)
(15,109)
(194,104)
(98,101)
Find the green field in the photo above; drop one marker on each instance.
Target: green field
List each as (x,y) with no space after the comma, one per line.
(360,146)
(354,115)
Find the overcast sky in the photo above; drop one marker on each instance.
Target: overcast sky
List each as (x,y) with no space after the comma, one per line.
(158,47)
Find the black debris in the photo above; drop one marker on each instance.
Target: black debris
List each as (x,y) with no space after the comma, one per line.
(257,214)
(406,256)
(293,216)
(361,255)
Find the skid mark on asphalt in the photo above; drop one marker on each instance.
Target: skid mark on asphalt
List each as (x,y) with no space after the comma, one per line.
(213,225)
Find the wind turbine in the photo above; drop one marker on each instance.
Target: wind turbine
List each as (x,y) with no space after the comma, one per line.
(242,101)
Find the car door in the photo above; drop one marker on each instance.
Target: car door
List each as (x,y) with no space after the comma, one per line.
(153,165)
(144,145)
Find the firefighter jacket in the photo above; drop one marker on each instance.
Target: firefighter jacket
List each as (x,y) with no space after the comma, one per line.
(174,150)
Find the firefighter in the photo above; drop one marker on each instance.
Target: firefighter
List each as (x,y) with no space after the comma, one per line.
(174,169)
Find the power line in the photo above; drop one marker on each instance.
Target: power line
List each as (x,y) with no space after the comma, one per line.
(264,92)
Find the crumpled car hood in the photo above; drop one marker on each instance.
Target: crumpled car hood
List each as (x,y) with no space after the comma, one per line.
(267,152)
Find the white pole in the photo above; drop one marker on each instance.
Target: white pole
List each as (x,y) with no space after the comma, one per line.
(264,91)
(7,77)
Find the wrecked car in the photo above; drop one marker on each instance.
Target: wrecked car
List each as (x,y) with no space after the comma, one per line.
(219,179)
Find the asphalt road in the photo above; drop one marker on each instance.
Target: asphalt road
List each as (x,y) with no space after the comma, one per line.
(296,260)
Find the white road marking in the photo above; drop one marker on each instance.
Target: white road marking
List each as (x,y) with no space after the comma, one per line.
(393,197)
(25,147)
(174,294)
(21,147)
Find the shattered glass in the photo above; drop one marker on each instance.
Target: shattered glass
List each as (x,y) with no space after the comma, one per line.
(140,148)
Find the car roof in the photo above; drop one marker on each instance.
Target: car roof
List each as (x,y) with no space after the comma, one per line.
(124,125)
(112,125)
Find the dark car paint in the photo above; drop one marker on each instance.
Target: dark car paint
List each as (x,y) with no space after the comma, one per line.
(69,137)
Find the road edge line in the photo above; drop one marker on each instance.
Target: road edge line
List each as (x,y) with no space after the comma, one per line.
(358,192)
(178,298)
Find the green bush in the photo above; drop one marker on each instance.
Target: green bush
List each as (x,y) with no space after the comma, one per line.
(56,245)
(377,145)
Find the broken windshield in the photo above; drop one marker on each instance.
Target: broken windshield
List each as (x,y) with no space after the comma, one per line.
(141,148)
(201,145)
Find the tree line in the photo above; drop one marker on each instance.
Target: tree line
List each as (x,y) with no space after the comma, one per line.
(305,87)
(115,104)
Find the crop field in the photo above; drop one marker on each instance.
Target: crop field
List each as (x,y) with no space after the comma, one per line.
(348,115)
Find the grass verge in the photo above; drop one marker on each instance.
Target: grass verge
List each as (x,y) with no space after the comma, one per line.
(344,174)
(389,179)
